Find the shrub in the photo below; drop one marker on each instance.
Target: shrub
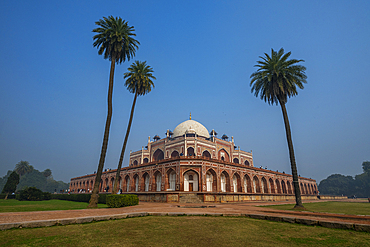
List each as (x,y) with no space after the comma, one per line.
(46,195)
(30,194)
(122,200)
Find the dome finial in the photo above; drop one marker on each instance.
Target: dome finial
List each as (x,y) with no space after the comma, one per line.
(190,116)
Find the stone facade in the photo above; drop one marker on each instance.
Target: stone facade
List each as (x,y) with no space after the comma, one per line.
(191,161)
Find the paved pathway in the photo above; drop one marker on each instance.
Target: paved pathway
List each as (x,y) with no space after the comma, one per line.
(249,209)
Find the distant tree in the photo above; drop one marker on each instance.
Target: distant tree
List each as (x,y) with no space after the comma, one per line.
(276,80)
(337,184)
(139,82)
(33,179)
(4,179)
(47,173)
(23,167)
(115,40)
(366,167)
(11,184)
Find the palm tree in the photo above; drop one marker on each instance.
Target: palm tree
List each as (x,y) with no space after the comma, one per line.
(23,168)
(276,79)
(139,82)
(114,40)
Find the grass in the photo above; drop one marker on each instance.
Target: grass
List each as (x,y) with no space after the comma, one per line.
(12,205)
(184,231)
(357,208)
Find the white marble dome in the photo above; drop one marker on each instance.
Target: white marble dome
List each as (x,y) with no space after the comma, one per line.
(190,126)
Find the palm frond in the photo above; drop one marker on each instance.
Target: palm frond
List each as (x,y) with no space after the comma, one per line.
(277,77)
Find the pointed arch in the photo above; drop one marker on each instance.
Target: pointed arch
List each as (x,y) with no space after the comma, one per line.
(278,189)
(236,160)
(190,151)
(265,188)
(175,154)
(157,183)
(223,155)
(236,183)
(225,182)
(206,154)
(289,187)
(272,186)
(247,184)
(191,180)
(127,185)
(256,185)
(158,155)
(170,183)
(283,187)
(211,180)
(136,182)
(145,182)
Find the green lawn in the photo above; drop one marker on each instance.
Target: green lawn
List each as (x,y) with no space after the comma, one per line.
(357,208)
(12,205)
(184,231)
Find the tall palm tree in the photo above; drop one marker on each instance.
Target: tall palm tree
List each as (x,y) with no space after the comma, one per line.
(23,168)
(277,79)
(114,40)
(139,82)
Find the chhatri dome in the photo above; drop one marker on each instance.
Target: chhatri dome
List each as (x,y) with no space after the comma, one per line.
(190,126)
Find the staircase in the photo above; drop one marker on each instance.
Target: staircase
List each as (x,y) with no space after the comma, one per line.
(189,198)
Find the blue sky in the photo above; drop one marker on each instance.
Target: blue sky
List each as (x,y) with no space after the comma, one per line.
(53,83)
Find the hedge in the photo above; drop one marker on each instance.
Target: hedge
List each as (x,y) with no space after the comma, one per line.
(122,200)
(78,197)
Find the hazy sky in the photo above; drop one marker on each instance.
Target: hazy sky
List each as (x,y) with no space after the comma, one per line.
(53,83)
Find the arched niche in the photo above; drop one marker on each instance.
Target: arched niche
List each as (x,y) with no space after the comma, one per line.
(158,155)
(191,181)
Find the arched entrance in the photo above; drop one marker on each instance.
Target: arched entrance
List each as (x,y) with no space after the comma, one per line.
(136,179)
(171,180)
(247,184)
(236,183)
(190,181)
(127,183)
(265,188)
(256,185)
(146,182)
(225,182)
(211,179)
(158,180)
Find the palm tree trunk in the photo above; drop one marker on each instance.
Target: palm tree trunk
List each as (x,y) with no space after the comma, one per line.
(292,158)
(6,197)
(115,187)
(95,193)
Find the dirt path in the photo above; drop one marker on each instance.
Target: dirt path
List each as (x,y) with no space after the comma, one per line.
(248,208)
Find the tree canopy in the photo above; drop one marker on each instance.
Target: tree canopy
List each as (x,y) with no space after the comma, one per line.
(34,178)
(337,184)
(11,184)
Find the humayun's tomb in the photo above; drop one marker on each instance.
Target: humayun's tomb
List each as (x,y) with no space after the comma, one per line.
(193,165)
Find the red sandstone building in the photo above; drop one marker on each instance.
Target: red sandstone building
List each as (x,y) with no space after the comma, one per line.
(193,165)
